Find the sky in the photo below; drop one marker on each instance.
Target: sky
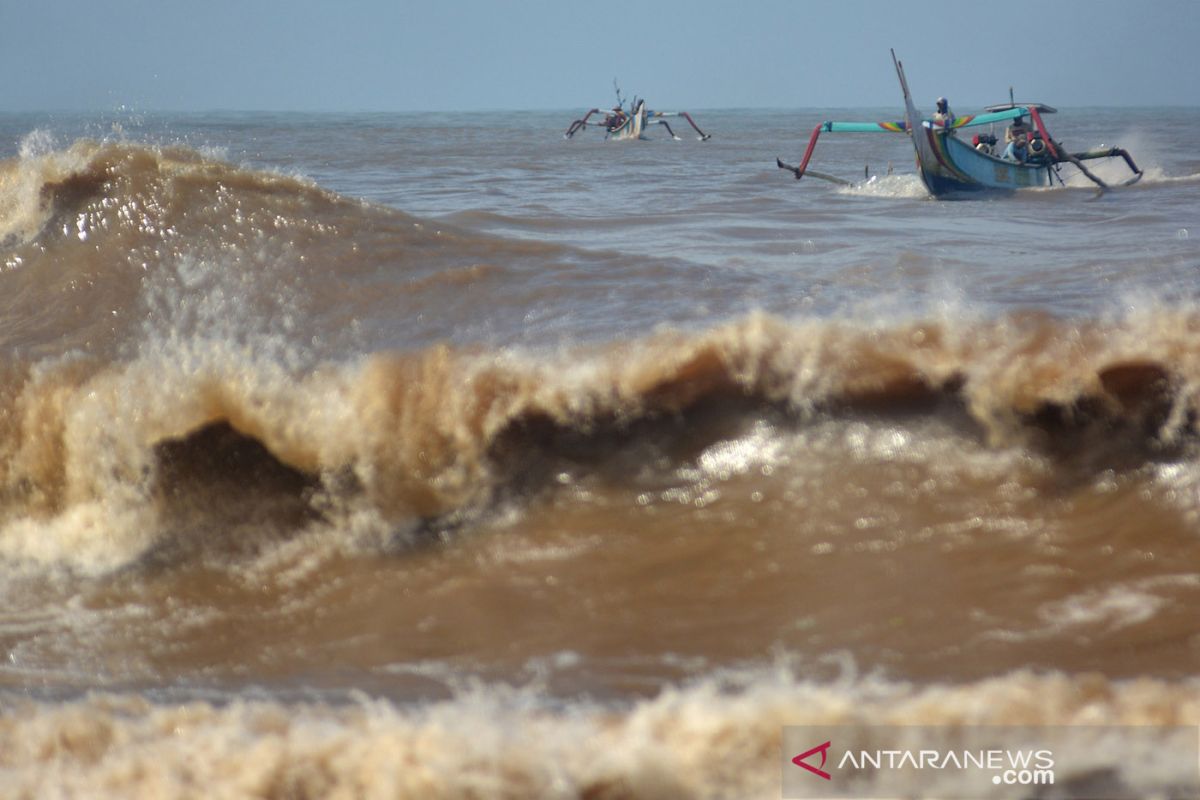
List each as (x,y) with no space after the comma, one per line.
(451,55)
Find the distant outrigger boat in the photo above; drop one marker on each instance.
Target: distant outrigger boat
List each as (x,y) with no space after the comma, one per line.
(620,124)
(948,164)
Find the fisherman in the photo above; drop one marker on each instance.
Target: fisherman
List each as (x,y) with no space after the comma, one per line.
(1017,130)
(942,116)
(616,119)
(1017,150)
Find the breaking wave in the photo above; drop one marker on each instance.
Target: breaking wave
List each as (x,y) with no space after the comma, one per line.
(716,738)
(425,437)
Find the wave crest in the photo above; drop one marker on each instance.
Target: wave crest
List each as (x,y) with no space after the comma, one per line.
(434,434)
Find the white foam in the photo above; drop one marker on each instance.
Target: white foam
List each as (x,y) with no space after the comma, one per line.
(718,737)
(895,186)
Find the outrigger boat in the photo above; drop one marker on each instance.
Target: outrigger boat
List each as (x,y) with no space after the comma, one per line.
(949,164)
(620,124)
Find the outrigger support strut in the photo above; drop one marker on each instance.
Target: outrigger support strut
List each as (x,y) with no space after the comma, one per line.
(812,143)
(579,124)
(1112,152)
(704,137)
(657,116)
(803,169)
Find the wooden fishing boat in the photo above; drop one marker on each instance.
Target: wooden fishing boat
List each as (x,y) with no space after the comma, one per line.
(949,163)
(620,124)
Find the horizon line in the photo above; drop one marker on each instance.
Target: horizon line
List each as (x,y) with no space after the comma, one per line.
(132,111)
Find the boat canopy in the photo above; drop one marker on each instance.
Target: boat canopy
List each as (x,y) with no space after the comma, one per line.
(970,120)
(986,118)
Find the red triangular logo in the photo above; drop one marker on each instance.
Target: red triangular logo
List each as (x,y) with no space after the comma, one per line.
(823,749)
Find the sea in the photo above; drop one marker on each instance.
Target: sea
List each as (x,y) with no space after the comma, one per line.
(438,455)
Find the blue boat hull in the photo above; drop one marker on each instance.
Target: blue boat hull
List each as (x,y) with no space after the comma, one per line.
(948,165)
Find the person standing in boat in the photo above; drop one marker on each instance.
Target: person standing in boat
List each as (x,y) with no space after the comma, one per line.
(943,115)
(1017,130)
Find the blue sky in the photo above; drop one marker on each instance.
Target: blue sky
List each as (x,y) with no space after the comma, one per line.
(350,55)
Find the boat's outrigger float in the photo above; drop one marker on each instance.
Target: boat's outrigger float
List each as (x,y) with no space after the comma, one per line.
(948,163)
(620,123)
